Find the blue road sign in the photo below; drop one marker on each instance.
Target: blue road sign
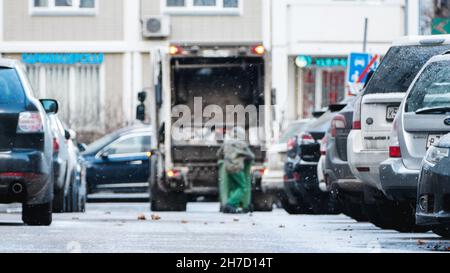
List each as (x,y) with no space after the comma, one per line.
(359,65)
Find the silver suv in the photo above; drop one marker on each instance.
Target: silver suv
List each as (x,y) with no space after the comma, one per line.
(422,119)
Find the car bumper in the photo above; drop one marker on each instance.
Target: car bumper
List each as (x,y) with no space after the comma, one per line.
(35,179)
(272,182)
(434,184)
(360,159)
(398,182)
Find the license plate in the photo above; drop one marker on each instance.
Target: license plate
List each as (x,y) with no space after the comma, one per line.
(391,112)
(433,139)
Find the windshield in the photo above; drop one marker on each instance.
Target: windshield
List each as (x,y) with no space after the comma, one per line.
(100,143)
(11,89)
(432,88)
(400,66)
(292,130)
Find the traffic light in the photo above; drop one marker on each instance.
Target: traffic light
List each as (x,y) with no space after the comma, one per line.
(140,111)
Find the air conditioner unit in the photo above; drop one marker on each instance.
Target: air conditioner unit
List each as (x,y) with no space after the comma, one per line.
(156,26)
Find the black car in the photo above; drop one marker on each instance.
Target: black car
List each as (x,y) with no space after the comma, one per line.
(301,183)
(119,162)
(433,196)
(26,147)
(346,189)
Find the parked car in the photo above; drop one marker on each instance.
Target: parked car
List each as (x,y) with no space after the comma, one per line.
(420,123)
(65,165)
(272,180)
(433,205)
(26,147)
(301,184)
(338,179)
(119,162)
(373,119)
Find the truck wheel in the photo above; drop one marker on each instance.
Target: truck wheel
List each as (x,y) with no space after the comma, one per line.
(262,201)
(172,201)
(37,215)
(444,232)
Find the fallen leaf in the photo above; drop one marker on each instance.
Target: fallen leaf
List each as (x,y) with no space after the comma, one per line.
(281,226)
(236,219)
(421,242)
(107,212)
(184,221)
(155,217)
(75,218)
(141,217)
(222,223)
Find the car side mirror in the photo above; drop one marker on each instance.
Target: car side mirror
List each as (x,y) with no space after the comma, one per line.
(82,147)
(67,135)
(50,106)
(105,155)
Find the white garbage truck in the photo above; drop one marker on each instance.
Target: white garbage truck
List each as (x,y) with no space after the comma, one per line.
(199,86)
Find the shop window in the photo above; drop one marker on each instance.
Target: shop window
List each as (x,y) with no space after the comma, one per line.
(63,7)
(77,89)
(195,7)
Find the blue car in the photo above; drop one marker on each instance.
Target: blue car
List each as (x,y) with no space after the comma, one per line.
(119,162)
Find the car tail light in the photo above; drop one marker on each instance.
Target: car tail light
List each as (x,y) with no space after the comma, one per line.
(55,145)
(30,122)
(19,175)
(175,50)
(357,114)
(173,173)
(306,138)
(291,143)
(395,152)
(263,171)
(296,176)
(259,50)
(338,122)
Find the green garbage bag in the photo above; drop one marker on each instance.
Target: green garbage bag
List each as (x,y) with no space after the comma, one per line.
(225,186)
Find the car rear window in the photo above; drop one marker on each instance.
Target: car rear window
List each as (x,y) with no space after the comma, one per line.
(432,88)
(292,130)
(11,90)
(400,66)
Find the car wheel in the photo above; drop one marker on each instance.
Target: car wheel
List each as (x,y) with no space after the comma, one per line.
(37,215)
(443,231)
(355,211)
(59,202)
(262,201)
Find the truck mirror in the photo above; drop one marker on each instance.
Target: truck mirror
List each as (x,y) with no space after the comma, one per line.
(142,96)
(140,112)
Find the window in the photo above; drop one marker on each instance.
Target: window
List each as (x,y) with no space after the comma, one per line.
(63,7)
(11,91)
(77,89)
(195,7)
(130,145)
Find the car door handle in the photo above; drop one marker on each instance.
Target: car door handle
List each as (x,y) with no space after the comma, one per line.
(136,162)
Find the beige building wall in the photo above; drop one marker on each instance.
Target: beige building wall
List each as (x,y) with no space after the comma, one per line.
(19,25)
(214,28)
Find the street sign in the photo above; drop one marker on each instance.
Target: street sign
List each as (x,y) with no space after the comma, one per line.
(359,66)
(440,26)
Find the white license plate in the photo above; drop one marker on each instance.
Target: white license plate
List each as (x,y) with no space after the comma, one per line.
(391,112)
(433,139)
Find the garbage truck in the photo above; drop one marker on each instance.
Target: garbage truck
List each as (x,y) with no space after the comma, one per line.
(191,81)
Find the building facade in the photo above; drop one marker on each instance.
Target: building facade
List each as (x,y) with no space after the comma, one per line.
(92,56)
(313,39)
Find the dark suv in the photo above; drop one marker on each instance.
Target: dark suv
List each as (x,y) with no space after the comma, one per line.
(26,150)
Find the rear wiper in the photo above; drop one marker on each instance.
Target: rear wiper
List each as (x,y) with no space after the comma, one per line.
(433,110)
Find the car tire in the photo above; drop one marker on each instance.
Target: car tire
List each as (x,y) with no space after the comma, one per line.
(355,211)
(262,201)
(59,202)
(374,216)
(37,215)
(293,209)
(170,201)
(443,231)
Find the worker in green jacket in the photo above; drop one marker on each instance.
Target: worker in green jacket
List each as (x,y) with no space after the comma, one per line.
(236,153)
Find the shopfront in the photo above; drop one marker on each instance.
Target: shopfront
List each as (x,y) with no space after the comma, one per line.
(320,82)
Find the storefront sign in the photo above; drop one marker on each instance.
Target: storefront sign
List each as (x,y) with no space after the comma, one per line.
(304,61)
(63,58)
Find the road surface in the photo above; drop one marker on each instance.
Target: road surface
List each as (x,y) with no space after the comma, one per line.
(115,228)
